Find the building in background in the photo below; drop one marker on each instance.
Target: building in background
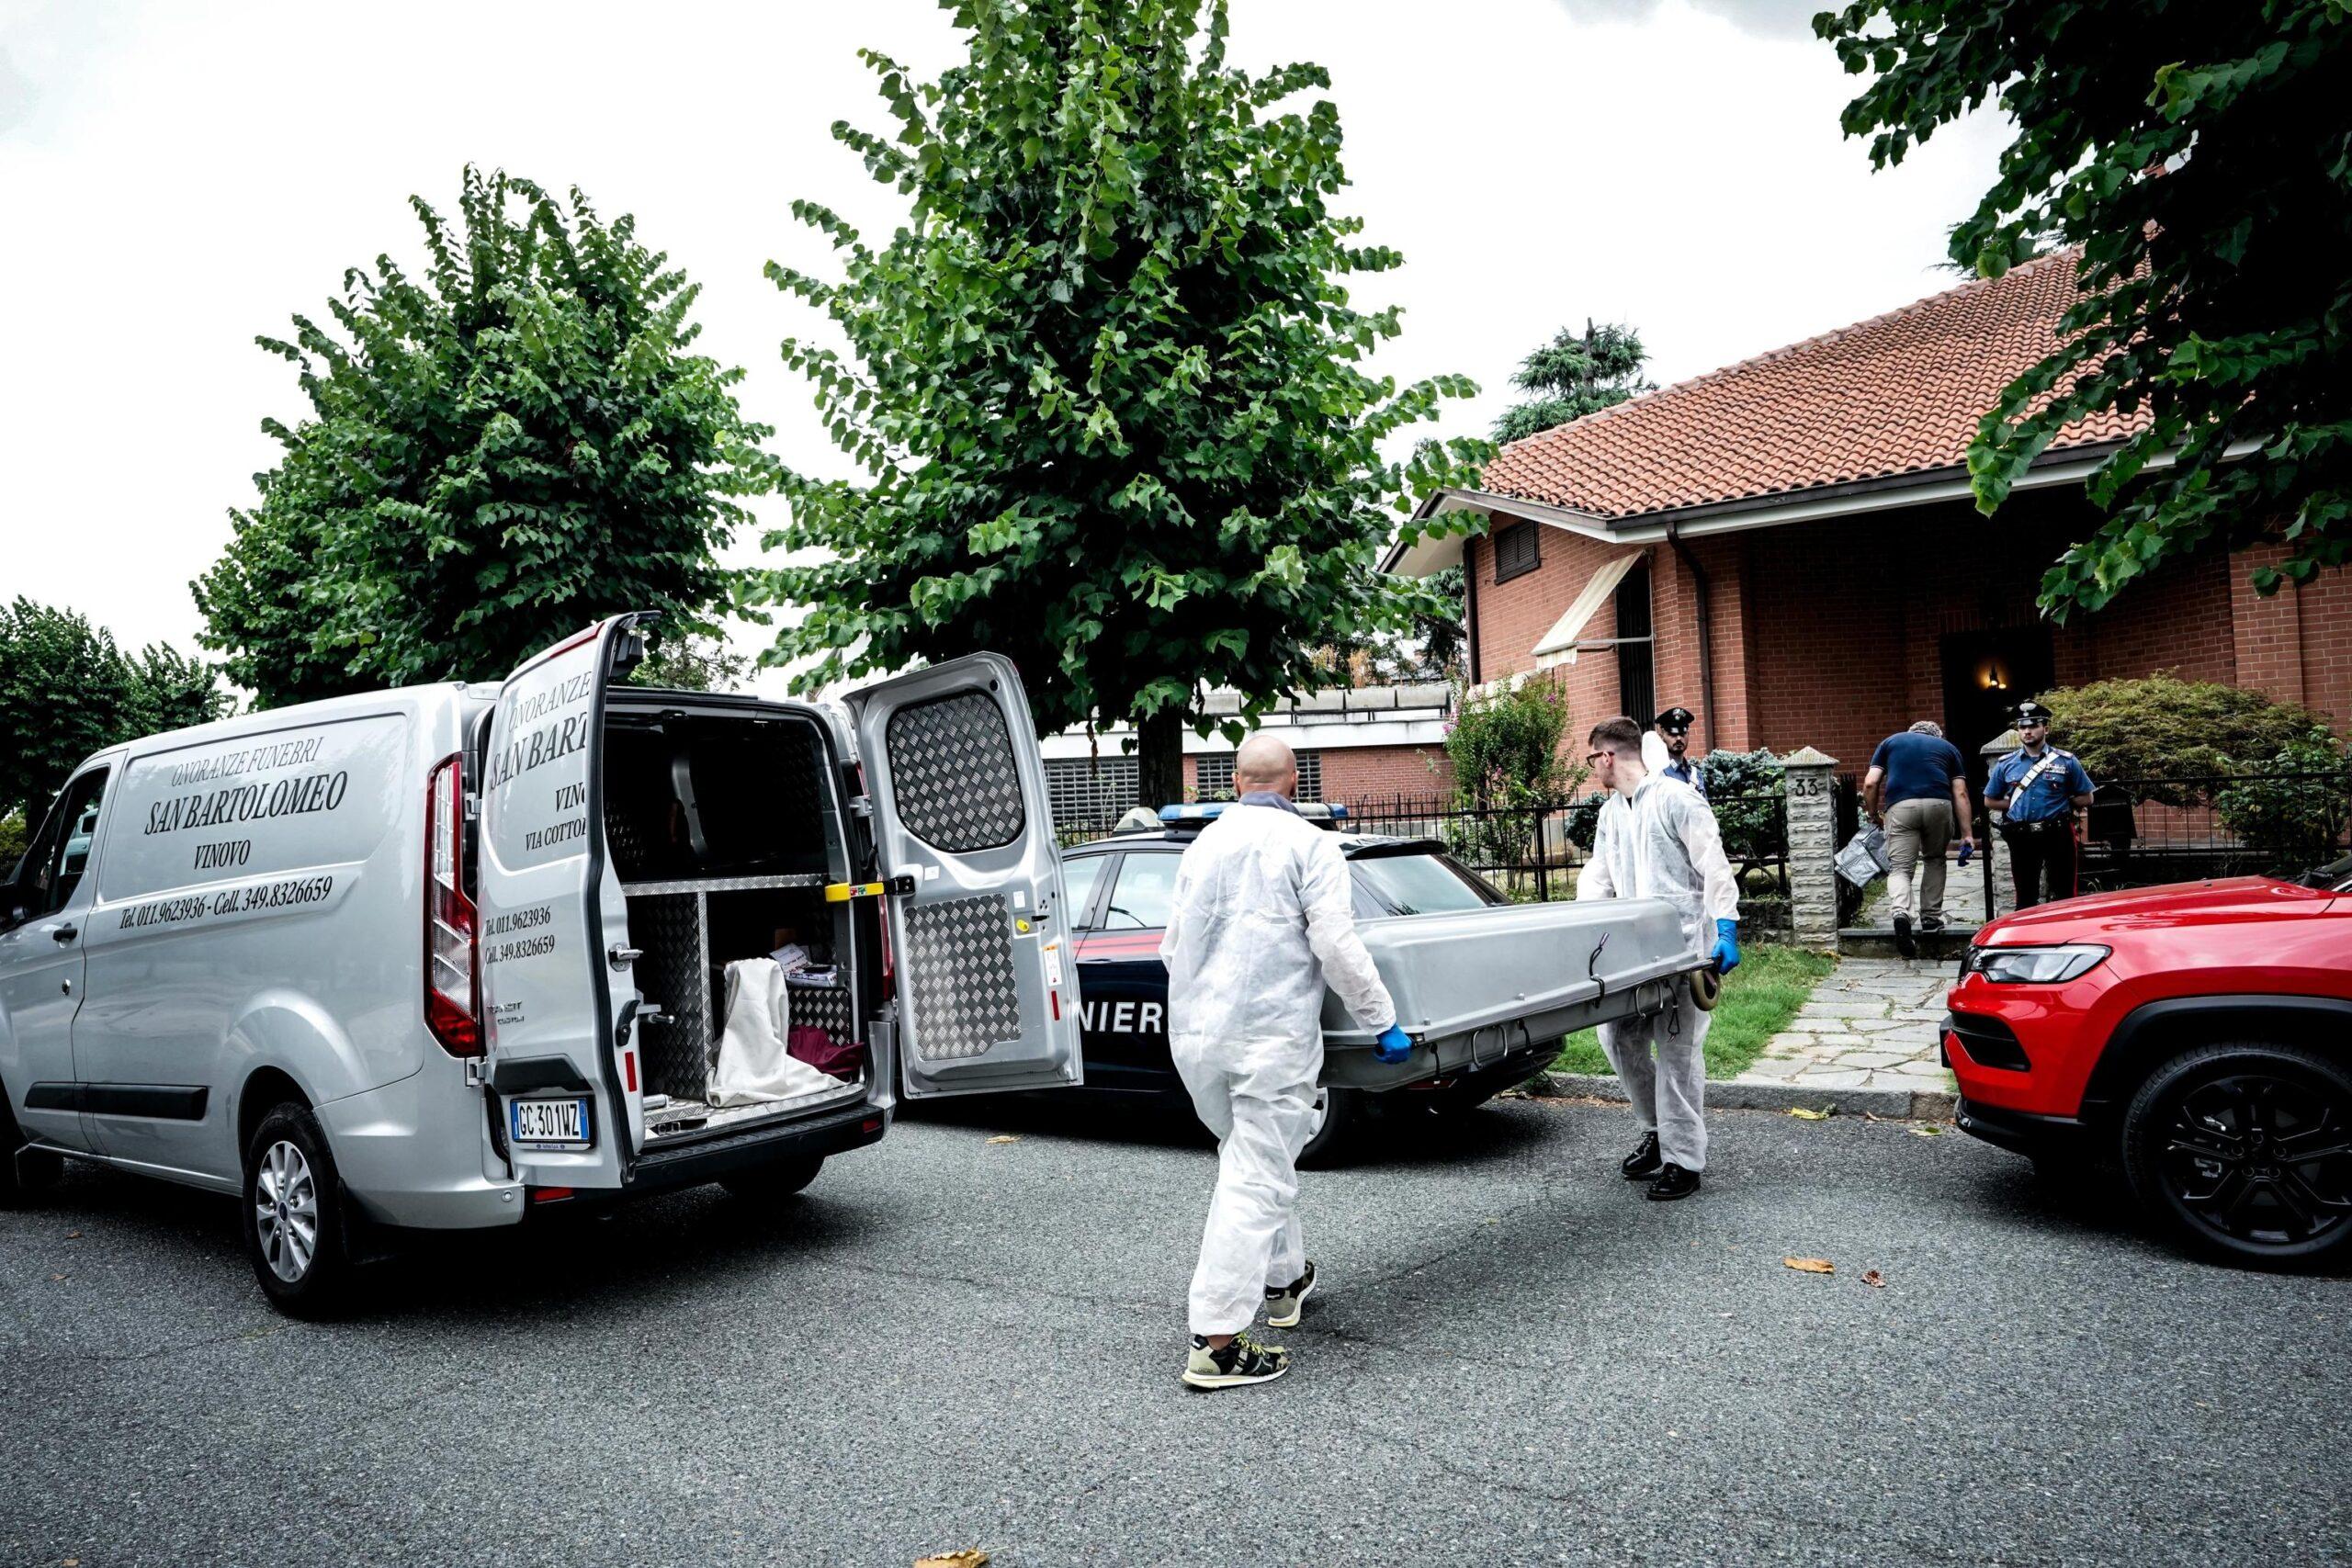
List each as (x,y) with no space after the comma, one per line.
(1788,547)
(1354,744)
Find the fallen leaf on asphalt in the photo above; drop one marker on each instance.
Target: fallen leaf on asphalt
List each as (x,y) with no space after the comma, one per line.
(57,1276)
(1801,1114)
(1874,1280)
(967,1558)
(1929,1130)
(1000,1138)
(72,1236)
(1810,1265)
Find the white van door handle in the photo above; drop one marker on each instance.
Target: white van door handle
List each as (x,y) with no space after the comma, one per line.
(63,932)
(621,957)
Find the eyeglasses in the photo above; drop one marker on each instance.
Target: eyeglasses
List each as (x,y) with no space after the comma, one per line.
(1594,756)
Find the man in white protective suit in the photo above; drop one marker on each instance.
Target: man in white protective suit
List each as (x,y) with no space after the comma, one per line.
(1657,839)
(1262,921)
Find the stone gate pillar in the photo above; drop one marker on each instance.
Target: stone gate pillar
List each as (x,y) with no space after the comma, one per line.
(1813,848)
(2005,885)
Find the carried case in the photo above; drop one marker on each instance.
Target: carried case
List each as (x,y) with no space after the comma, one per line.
(1475,987)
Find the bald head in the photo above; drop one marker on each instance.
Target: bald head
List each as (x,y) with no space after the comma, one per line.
(1265,762)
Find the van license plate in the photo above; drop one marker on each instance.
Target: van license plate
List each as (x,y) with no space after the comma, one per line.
(545,1122)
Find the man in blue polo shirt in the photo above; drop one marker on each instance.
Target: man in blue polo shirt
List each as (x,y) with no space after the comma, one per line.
(1917,787)
(2037,789)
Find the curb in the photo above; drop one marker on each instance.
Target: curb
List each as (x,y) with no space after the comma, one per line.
(1769,1094)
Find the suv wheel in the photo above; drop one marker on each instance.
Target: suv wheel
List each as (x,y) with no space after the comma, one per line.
(294,1216)
(2244,1151)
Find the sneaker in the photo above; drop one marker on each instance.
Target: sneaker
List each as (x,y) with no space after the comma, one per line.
(1931,924)
(1642,1164)
(1242,1361)
(1283,1305)
(1903,942)
(1672,1182)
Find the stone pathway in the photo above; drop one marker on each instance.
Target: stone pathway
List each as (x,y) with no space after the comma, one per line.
(1871,1025)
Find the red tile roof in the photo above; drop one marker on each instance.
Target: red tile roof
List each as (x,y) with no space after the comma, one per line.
(1897,394)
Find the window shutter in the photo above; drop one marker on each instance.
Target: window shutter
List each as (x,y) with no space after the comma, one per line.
(1517,552)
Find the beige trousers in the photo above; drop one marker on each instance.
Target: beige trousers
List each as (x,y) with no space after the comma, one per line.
(1917,829)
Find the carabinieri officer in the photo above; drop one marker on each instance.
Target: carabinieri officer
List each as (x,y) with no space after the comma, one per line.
(2037,789)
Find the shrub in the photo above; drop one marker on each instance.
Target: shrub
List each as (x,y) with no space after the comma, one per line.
(12,837)
(1749,793)
(2297,807)
(1505,747)
(2163,727)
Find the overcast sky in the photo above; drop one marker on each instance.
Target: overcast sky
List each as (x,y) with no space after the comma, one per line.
(175,178)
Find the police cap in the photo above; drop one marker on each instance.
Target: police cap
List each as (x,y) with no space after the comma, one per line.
(2031,713)
(1675,721)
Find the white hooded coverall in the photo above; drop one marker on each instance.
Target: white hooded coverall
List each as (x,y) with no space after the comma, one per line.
(1663,843)
(1261,921)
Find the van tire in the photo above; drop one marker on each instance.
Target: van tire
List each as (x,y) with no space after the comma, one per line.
(774,1180)
(23,1172)
(288,1151)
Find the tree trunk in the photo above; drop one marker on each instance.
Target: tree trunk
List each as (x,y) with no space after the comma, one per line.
(1159,757)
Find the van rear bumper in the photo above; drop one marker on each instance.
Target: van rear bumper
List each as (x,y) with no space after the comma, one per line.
(411,1153)
(831,1132)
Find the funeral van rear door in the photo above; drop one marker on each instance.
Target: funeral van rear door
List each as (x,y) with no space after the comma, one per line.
(979,932)
(558,1008)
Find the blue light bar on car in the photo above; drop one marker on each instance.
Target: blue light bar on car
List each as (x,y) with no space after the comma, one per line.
(1207,810)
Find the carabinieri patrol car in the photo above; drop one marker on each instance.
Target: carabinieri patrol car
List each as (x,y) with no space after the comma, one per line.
(1119,890)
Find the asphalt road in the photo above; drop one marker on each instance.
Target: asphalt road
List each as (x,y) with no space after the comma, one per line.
(949,1343)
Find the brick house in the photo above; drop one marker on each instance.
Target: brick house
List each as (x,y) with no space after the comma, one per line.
(1788,547)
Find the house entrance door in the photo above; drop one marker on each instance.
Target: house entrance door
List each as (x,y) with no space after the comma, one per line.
(1986,675)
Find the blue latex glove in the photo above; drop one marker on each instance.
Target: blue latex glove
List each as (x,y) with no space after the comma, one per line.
(1967,848)
(1726,953)
(1393,1046)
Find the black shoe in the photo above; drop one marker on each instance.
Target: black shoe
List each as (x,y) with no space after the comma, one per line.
(1642,1164)
(1284,1302)
(1903,942)
(1241,1363)
(1672,1182)
(1931,924)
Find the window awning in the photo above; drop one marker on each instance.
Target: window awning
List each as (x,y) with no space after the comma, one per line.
(1560,644)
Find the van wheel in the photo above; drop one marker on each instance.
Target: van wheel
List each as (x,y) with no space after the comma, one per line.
(1339,1114)
(775,1181)
(294,1215)
(2244,1151)
(23,1171)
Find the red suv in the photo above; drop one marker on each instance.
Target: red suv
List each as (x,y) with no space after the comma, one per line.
(2201,1031)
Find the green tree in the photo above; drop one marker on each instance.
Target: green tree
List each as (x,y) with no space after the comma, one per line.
(500,450)
(1574,375)
(66,690)
(1106,384)
(2200,156)
(692,662)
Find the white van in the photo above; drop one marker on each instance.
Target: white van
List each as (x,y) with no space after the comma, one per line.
(435,958)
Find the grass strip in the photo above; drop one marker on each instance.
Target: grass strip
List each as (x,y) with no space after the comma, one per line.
(1759,999)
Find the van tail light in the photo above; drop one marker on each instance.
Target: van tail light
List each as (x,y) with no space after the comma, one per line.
(452,971)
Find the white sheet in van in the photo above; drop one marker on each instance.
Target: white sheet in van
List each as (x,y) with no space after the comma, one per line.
(753,1065)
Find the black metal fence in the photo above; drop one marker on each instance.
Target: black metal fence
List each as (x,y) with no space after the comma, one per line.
(2141,832)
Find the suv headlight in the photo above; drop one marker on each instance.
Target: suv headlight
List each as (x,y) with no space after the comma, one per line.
(2033,965)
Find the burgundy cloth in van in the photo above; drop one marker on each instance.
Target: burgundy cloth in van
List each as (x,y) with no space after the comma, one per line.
(822,1052)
